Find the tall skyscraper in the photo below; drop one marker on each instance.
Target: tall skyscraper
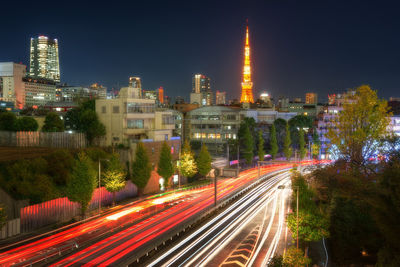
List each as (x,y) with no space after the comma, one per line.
(247,84)
(44,61)
(201,90)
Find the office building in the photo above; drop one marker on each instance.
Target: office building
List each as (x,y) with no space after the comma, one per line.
(129,117)
(11,84)
(220,98)
(201,90)
(311,98)
(44,60)
(38,92)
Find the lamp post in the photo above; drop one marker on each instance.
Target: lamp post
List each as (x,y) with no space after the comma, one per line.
(297,218)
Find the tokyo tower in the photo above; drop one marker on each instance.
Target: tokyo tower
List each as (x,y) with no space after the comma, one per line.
(247,84)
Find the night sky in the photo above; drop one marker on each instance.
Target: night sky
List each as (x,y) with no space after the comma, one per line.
(297,46)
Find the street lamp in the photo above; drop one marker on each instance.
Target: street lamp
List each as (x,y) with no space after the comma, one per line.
(297,215)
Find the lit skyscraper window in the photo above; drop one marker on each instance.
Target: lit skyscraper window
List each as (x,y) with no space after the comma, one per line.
(44,61)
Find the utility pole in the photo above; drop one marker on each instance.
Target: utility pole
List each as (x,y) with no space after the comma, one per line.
(99,188)
(215,190)
(297,219)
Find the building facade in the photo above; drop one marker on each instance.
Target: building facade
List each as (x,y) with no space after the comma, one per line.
(311,98)
(130,117)
(213,126)
(201,90)
(11,84)
(220,98)
(44,60)
(38,92)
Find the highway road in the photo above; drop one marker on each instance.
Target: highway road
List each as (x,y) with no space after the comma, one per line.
(115,237)
(248,233)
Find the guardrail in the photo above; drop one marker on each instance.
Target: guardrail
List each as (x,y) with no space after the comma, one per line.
(169,235)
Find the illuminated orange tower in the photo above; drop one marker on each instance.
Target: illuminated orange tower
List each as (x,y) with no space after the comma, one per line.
(247,84)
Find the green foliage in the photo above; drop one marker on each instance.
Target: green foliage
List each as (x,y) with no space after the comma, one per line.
(261,151)
(82,183)
(204,161)
(26,124)
(84,119)
(3,216)
(357,132)
(248,143)
(302,145)
(195,144)
(273,142)
(165,166)
(114,175)
(28,179)
(7,121)
(141,167)
(287,149)
(352,231)
(91,126)
(60,163)
(295,257)
(276,261)
(280,125)
(53,123)
(312,226)
(187,166)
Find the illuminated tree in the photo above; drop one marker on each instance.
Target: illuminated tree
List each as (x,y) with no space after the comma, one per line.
(141,168)
(187,164)
(204,161)
(273,142)
(165,165)
(83,180)
(302,144)
(295,257)
(261,151)
(287,149)
(114,176)
(358,130)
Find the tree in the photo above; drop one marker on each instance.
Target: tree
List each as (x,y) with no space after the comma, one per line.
(276,261)
(165,166)
(82,183)
(316,146)
(114,176)
(187,163)
(60,163)
(248,143)
(261,151)
(114,181)
(7,121)
(26,124)
(274,142)
(53,123)
(204,161)
(312,226)
(141,168)
(91,126)
(299,122)
(302,144)
(3,216)
(287,149)
(295,257)
(358,130)
(84,119)
(280,125)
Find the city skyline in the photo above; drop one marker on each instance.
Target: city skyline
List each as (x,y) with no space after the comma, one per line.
(330,48)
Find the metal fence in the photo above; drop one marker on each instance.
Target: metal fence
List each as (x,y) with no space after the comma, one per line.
(61,209)
(42,139)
